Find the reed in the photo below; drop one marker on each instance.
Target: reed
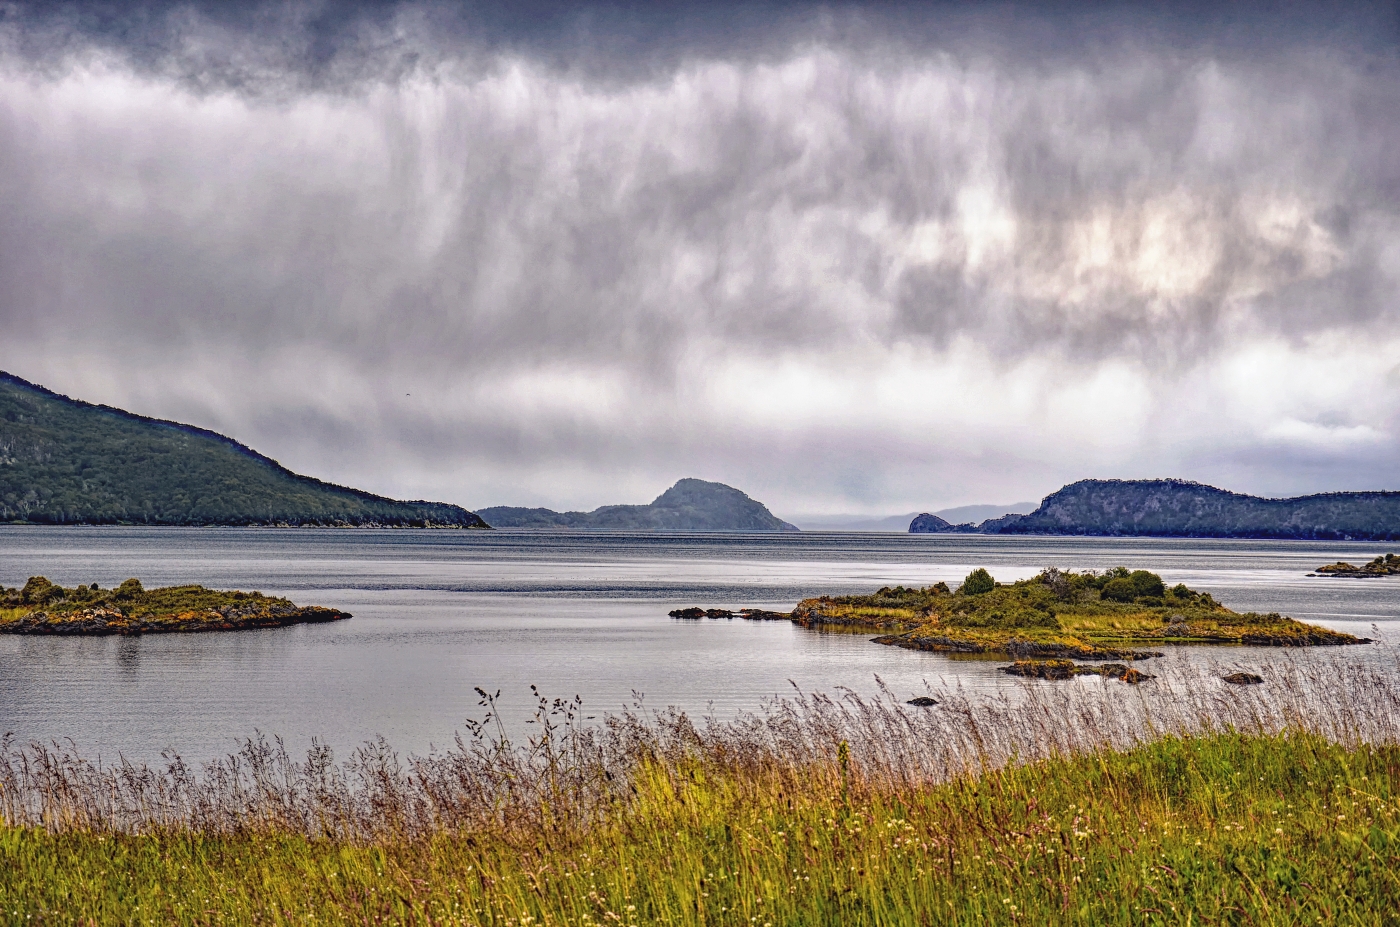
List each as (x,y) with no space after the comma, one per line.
(1082,802)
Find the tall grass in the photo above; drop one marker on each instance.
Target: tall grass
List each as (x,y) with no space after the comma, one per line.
(1084,802)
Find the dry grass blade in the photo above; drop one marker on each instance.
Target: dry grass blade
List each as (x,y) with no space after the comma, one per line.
(569,774)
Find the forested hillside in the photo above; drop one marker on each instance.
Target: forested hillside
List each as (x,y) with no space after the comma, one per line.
(1178,508)
(68,462)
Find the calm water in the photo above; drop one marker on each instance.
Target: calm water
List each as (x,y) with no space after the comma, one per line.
(438,613)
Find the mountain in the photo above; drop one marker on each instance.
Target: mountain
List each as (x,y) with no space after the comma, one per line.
(690,505)
(931,524)
(1178,508)
(63,461)
(956,517)
(961,520)
(975,514)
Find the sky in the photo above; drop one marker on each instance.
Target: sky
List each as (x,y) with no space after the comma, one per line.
(854,257)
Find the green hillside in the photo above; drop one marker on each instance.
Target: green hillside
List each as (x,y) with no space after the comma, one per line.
(1179,508)
(68,462)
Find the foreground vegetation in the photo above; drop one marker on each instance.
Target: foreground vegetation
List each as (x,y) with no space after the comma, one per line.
(1271,805)
(43,607)
(1116,614)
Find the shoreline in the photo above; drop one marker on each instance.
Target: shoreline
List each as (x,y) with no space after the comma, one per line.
(815,811)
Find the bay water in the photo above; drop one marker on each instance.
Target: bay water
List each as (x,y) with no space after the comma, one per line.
(440,613)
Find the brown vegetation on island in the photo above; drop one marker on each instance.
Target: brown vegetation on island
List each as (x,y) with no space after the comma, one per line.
(1044,622)
(42,607)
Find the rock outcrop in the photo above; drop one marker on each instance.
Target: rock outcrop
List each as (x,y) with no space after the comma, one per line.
(926,523)
(1387,565)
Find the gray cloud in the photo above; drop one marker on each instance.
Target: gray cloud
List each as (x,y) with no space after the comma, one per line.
(857,256)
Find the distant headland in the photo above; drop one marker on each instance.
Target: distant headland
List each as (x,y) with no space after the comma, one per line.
(65,462)
(690,505)
(1179,508)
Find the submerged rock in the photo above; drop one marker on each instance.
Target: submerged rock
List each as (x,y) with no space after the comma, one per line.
(1043,669)
(923,701)
(1243,679)
(1068,669)
(1027,650)
(694,613)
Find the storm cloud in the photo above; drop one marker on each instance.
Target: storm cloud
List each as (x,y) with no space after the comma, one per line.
(875,258)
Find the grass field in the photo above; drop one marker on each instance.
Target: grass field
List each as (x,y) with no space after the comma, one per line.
(1083,803)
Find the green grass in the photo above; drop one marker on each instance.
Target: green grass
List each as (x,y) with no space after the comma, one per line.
(1226,828)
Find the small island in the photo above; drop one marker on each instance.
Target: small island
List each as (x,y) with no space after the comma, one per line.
(42,607)
(1046,622)
(1388,565)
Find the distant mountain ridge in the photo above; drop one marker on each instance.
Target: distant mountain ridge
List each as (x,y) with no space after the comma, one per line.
(950,521)
(1180,508)
(957,515)
(690,505)
(65,461)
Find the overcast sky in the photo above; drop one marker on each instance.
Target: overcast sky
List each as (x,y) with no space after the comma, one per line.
(848,258)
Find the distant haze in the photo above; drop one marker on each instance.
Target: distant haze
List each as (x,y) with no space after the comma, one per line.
(957,515)
(976,514)
(863,258)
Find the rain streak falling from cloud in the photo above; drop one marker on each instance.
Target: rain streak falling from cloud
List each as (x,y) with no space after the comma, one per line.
(848,269)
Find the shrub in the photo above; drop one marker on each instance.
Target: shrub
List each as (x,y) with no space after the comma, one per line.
(39,591)
(978,582)
(1147,583)
(1119,589)
(1010,617)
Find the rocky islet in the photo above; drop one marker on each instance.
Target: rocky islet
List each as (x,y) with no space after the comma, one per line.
(44,608)
(1047,623)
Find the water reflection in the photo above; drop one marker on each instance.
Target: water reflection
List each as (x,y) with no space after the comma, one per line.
(128,655)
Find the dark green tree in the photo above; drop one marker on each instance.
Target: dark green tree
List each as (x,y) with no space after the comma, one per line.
(978,582)
(1120,589)
(1147,583)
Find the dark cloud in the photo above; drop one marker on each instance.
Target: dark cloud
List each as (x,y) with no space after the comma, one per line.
(872,254)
